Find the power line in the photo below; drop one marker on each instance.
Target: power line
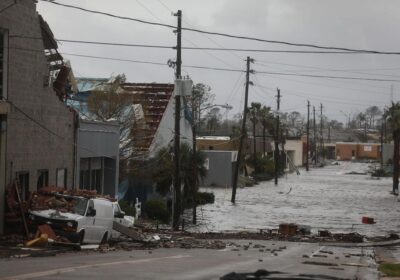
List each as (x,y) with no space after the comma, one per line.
(216,68)
(321,68)
(326,76)
(195,47)
(319,98)
(223,34)
(184,38)
(116,59)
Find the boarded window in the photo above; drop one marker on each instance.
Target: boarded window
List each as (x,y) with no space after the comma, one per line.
(368,148)
(61,177)
(43,178)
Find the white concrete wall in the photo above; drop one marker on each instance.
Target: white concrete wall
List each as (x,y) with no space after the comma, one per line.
(165,133)
(296,146)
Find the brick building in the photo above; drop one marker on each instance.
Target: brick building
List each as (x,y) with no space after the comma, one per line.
(37,129)
(357,151)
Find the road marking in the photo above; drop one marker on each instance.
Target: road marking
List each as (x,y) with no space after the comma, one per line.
(74,268)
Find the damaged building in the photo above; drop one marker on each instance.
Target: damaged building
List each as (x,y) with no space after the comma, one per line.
(146,124)
(37,129)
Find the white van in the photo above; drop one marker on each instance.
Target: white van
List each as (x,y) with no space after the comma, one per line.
(90,221)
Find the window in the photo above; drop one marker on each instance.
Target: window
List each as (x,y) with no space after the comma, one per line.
(61,177)
(23,178)
(43,178)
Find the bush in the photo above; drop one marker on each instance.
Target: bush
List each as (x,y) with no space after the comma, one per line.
(129,210)
(156,210)
(205,198)
(390,269)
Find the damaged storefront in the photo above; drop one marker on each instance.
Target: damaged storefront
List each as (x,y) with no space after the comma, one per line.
(37,129)
(98,156)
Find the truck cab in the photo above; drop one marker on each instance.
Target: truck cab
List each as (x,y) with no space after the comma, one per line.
(90,221)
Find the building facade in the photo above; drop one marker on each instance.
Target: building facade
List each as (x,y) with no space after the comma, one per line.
(357,151)
(98,157)
(37,129)
(220,168)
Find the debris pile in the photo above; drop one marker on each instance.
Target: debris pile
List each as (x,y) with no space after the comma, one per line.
(59,198)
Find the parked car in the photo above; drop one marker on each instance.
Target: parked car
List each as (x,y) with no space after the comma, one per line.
(90,221)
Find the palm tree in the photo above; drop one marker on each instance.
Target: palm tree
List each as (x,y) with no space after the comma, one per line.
(163,172)
(255,111)
(266,122)
(393,115)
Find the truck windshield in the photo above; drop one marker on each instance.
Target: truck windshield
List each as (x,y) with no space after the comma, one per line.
(79,206)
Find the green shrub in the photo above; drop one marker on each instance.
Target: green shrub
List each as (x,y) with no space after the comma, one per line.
(390,269)
(205,198)
(129,210)
(156,210)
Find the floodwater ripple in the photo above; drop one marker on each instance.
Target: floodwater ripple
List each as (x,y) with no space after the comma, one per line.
(323,198)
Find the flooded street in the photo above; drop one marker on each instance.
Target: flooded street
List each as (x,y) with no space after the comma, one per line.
(323,198)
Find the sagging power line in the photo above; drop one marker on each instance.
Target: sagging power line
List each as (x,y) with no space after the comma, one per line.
(222,34)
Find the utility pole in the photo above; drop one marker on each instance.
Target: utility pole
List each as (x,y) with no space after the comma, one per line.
(278,101)
(242,132)
(322,135)
(254,140)
(177,180)
(329,132)
(381,144)
(385,130)
(308,135)
(194,149)
(315,138)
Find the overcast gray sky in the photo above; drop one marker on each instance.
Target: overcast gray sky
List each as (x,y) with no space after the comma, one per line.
(360,24)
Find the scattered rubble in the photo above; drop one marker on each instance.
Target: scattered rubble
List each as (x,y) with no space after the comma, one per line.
(144,237)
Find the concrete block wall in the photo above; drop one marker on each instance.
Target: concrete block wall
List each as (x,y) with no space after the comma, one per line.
(30,147)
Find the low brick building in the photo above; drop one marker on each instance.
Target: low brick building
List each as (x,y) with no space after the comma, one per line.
(357,151)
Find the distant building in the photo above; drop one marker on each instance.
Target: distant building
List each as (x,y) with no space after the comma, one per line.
(220,168)
(97,159)
(357,151)
(218,143)
(294,152)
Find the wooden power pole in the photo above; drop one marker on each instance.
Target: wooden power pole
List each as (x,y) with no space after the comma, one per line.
(308,135)
(278,101)
(315,137)
(242,132)
(177,180)
(322,135)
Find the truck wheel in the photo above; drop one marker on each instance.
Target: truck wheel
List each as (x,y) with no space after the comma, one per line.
(104,240)
(81,237)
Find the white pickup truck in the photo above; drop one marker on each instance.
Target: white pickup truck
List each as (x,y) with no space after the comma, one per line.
(90,221)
